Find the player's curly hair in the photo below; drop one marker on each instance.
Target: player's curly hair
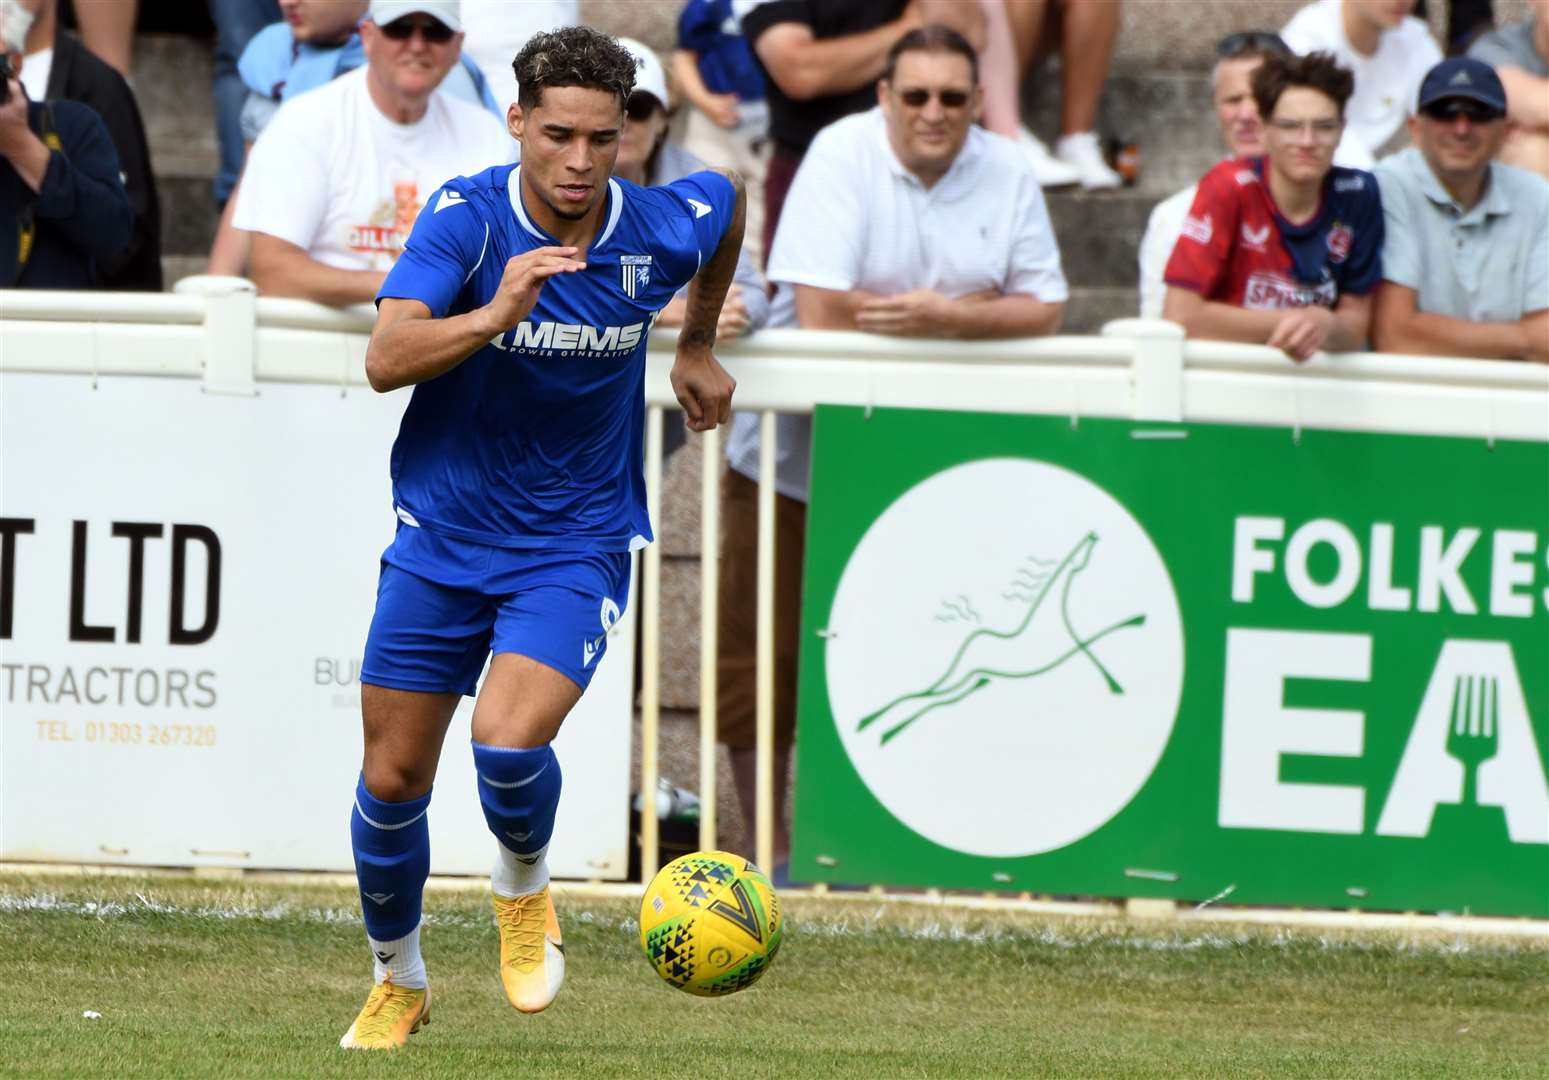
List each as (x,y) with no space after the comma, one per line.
(1318,71)
(572,56)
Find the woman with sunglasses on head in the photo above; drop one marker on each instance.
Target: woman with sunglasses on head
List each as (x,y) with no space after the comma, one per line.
(1284,249)
(646,157)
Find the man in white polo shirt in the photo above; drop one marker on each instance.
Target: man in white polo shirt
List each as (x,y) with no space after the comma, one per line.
(908,220)
(1464,268)
(336,180)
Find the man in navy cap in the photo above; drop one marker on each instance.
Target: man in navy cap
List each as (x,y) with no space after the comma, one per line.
(1463,267)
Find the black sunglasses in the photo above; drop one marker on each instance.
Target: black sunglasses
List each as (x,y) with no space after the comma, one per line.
(1251,41)
(1449,110)
(918,99)
(434,30)
(641,106)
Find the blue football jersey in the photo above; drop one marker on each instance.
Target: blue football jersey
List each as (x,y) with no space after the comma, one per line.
(536,440)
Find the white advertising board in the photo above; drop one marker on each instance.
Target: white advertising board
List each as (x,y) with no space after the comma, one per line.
(187,582)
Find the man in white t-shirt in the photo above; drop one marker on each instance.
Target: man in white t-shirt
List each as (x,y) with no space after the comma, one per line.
(1238,56)
(1386,48)
(905,220)
(335,182)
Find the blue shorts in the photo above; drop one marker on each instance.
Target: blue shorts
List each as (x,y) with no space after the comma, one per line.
(444,605)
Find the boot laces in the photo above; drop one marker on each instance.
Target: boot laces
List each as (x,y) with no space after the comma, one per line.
(384,1007)
(522,927)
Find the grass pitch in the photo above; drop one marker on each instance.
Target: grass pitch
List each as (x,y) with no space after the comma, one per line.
(218,979)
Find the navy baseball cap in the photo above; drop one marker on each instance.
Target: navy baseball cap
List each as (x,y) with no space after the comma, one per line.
(1463,77)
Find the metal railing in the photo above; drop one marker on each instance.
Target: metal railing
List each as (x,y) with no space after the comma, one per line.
(217,330)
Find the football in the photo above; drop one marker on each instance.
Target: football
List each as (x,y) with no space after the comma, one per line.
(710,923)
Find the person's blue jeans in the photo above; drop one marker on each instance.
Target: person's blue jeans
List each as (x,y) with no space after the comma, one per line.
(236,21)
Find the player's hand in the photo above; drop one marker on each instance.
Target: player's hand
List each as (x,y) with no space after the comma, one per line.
(722,108)
(1302,332)
(703,388)
(734,319)
(523,278)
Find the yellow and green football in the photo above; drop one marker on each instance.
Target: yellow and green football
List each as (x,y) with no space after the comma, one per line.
(710,923)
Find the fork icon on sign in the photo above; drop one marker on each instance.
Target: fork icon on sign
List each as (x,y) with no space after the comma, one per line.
(1473,737)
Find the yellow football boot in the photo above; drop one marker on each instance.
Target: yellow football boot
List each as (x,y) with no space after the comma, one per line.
(391,1014)
(532,956)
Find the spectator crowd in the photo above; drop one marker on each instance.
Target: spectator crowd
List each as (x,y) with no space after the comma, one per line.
(1373,192)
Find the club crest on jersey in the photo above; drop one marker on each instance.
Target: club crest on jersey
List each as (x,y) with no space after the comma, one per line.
(1340,237)
(634,274)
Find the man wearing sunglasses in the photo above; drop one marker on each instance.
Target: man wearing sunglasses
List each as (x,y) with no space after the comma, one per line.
(1464,268)
(1238,56)
(334,183)
(906,220)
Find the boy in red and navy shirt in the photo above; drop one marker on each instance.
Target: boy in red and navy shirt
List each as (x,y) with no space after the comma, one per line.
(1285,249)
(1238,249)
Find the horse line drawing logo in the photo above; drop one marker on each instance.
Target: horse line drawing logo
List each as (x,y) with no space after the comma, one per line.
(1004,681)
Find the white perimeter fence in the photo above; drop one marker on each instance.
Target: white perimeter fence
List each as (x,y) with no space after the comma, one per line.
(216,331)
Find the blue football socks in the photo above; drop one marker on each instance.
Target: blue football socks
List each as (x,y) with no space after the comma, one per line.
(519,790)
(391,843)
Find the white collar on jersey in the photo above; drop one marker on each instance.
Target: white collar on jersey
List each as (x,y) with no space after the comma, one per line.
(615,208)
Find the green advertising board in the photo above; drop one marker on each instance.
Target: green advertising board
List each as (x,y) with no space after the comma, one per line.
(1117,658)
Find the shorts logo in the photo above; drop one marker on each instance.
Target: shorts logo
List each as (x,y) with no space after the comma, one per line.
(592,647)
(634,274)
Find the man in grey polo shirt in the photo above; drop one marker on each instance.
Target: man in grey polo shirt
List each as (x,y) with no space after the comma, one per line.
(1465,271)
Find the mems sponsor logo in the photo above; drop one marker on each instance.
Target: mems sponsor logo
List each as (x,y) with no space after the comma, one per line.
(572,339)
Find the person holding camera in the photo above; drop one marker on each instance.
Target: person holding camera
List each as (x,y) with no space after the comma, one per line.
(63,207)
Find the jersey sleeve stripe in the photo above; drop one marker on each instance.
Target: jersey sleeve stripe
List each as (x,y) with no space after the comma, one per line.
(482,252)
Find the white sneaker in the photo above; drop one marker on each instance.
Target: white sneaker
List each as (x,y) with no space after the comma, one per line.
(1048,171)
(1082,154)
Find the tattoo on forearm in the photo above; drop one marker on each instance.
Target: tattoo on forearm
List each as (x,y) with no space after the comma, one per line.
(708,290)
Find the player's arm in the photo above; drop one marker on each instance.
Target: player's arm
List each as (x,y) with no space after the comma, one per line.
(702,386)
(280,268)
(1398,326)
(408,345)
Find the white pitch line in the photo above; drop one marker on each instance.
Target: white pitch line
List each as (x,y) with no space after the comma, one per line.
(1484,926)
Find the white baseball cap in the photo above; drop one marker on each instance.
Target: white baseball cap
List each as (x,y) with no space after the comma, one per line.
(650,77)
(447,12)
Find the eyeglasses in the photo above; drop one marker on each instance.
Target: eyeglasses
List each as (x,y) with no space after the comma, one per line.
(917,98)
(1448,111)
(1254,41)
(641,106)
(434,31)
(1323,131)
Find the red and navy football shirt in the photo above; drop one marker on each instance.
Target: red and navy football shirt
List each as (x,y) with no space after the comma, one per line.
(1236,247)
